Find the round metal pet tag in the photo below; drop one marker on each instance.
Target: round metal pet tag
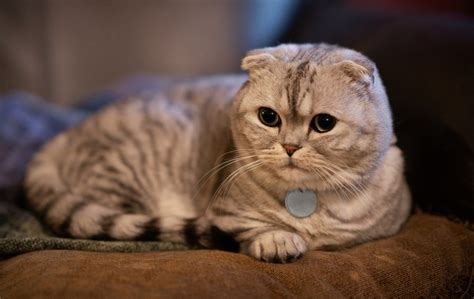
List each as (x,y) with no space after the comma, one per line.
(301,203)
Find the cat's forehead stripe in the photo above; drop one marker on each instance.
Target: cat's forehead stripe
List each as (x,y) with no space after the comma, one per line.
(299,74)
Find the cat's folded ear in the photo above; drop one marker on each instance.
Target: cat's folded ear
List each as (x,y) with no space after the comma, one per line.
(359,71)
(256,60)
(262,60)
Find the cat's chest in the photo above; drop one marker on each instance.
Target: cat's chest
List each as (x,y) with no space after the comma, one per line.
(295,211)
(315,221)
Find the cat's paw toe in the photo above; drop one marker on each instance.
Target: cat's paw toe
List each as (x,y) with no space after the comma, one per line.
(277,247)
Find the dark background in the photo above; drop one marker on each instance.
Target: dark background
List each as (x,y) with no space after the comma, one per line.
(64,51)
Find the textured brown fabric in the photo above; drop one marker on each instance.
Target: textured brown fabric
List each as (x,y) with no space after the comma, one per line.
(431,256)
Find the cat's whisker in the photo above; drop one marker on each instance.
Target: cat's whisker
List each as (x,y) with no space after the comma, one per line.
(342,183)
(222,165)
(336,185)
(231,182)
(229,178)
(215,170)
(359,183)
(233,152)
(339,180)
(219,191)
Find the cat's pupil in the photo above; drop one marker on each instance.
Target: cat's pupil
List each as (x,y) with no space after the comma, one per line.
(268,117)
(323,122)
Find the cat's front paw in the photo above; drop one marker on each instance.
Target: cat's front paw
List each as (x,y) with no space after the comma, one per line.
(276,247)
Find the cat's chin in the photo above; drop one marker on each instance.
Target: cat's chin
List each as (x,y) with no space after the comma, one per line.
(295,177)
(293,173)
(293,168)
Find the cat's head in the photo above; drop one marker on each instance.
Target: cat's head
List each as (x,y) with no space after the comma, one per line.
(315,115)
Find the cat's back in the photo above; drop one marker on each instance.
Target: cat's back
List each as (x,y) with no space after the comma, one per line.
(185,98)
(183,104)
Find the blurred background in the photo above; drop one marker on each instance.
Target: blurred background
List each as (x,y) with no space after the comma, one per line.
(64,51)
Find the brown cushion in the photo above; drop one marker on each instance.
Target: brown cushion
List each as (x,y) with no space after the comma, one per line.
(431,256)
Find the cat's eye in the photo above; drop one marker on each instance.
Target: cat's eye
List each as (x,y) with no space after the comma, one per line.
(323,122)
(269,117)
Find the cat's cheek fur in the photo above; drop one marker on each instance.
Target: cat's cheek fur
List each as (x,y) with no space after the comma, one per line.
(276,246)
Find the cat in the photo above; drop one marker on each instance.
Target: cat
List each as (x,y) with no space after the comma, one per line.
(210,162)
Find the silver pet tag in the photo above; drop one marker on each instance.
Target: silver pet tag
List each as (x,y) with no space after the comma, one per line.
(301,204)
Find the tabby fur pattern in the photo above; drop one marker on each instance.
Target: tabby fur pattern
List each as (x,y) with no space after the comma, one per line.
(194,164)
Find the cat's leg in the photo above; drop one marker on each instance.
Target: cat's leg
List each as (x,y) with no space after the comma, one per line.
(259,239)
(276,246)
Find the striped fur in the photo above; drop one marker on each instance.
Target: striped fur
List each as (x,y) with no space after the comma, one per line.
(195,165)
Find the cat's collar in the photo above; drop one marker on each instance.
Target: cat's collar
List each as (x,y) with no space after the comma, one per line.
(301,203)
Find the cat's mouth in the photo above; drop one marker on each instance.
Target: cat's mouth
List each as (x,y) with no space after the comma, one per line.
(292,165)
(293,172)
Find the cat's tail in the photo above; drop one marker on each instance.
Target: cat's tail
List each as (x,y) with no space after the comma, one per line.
(103,223)
(73,216)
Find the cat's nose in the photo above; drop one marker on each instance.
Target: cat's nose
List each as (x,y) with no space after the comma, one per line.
(291,148)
